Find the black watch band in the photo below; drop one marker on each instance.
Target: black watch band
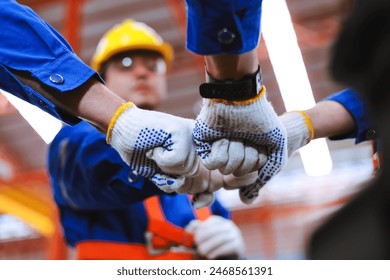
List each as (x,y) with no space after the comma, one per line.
(244,89)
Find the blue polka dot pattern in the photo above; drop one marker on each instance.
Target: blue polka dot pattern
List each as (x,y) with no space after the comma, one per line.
(205,135)
(148,139)
(274,141)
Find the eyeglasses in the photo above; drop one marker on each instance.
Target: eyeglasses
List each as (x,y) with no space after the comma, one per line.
(151,63)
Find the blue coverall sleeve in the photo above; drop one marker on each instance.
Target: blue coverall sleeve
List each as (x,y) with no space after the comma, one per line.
(355,105)
(31,45)
(223,26)
(87,174)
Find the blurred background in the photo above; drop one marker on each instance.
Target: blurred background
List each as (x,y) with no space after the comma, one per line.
(289,208)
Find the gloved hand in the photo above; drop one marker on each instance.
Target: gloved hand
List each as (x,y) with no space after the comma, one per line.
(299,130)
(155,145)
(299,133)
(217,238)
(235,136)
(206,182)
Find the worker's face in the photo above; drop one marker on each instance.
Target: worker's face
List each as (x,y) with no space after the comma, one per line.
(139,77)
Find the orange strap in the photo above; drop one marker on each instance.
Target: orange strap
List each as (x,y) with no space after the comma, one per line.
(203,213)
(108,250)
(166,234)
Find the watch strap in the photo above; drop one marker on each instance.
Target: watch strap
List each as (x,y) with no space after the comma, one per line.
(246,88)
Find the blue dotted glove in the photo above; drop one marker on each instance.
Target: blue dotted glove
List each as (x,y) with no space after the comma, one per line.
(155,145)
(240,137)
(299,133)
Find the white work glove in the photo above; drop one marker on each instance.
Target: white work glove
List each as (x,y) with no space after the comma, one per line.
(235,136)
(217,238)
(206,182)
(299,130)
(155,145)
(299,133)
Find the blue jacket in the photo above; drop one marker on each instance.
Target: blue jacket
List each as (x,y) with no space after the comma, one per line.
(30,44)
(223,26)
(95,198)
(354,103)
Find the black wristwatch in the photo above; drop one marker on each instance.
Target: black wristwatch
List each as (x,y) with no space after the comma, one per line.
(246,88)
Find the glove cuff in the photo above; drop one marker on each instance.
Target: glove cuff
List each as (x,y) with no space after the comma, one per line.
(227,115)
(299,129)
(114,119)
(249,101)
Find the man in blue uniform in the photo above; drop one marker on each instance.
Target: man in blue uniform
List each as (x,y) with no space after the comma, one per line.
(38,66)
(104,216)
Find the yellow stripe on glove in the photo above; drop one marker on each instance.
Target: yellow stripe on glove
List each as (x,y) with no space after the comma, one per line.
(118,112)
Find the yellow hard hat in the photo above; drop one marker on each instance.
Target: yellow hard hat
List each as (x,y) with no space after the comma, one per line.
(127,36)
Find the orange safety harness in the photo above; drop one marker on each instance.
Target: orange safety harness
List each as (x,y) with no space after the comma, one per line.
(164,240)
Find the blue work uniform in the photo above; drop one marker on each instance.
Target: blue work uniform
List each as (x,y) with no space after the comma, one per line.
(353,102)
(30,45)
(223,26)
(96,201)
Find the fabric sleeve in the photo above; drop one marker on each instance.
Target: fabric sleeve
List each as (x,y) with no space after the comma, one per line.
(223,26)
(30,44)
(355,105)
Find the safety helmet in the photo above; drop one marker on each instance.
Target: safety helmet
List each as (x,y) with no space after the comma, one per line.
(127,36)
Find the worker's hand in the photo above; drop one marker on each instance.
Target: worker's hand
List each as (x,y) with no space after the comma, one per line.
(155,145)
(235,136)
(203,185)
(299,133)
(217,238)
(299,130)
(206,182)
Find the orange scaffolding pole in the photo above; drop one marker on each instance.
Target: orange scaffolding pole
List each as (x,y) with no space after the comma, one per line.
(178,10)
(73,23)
(72,18)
